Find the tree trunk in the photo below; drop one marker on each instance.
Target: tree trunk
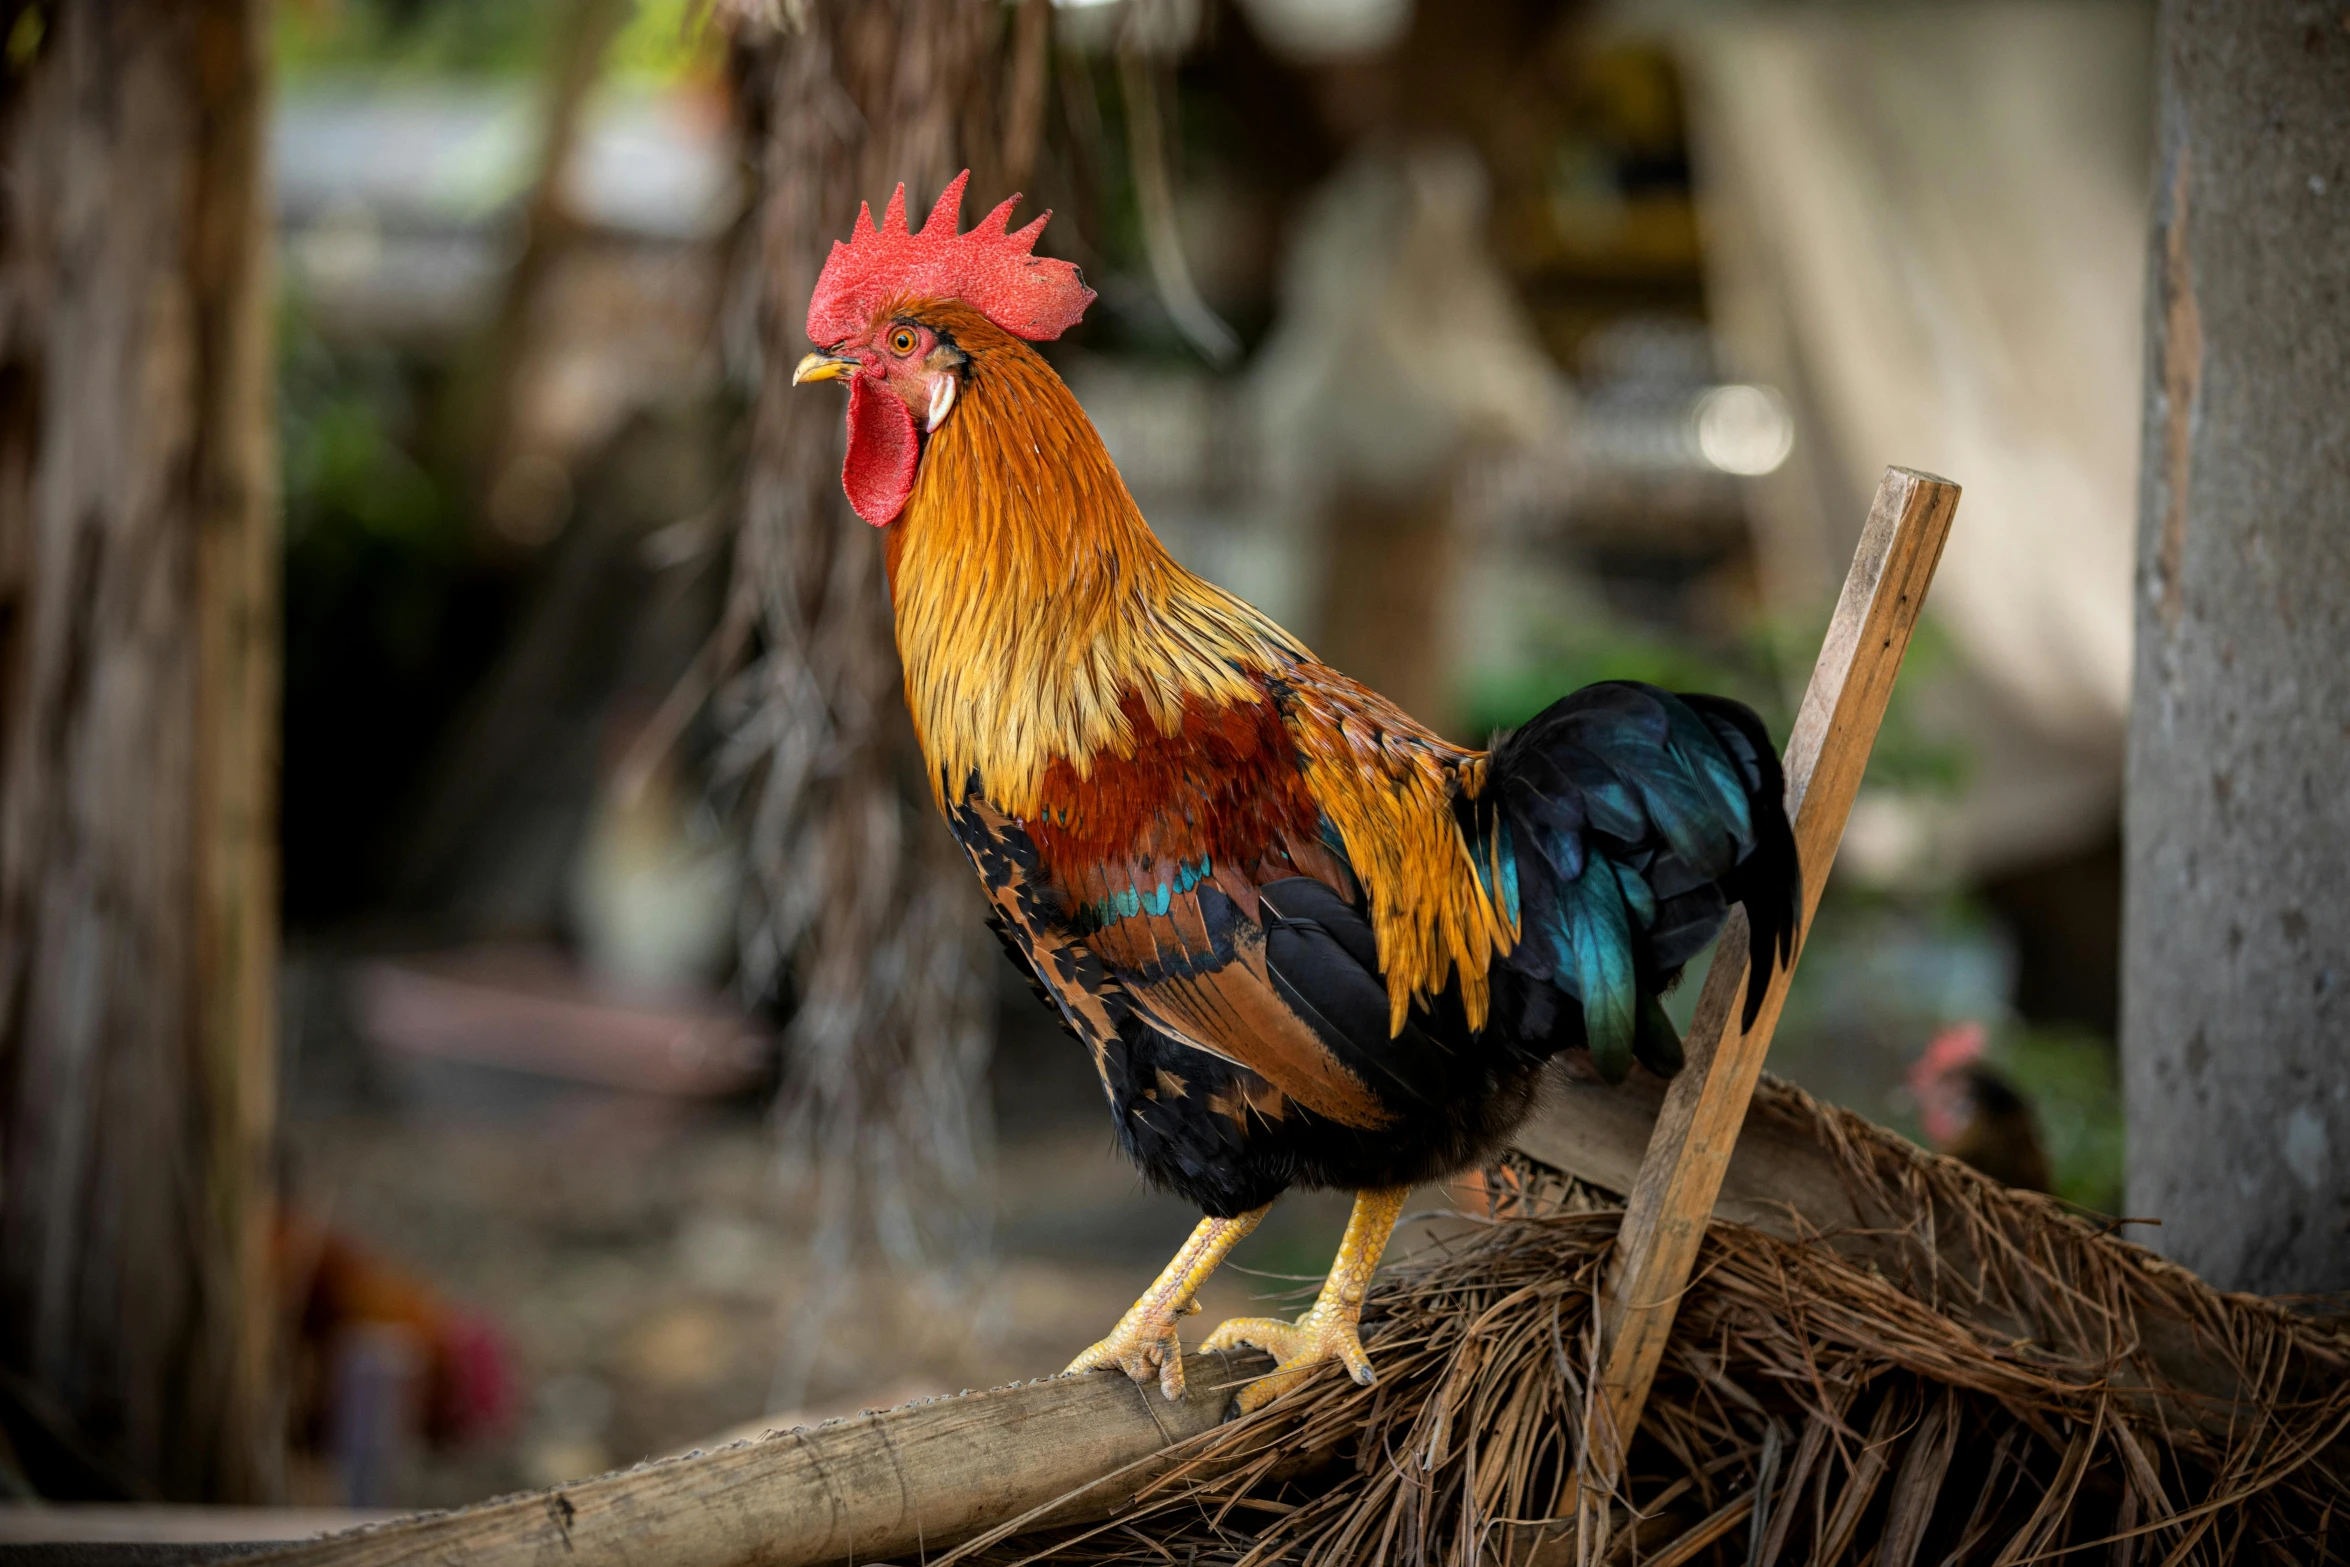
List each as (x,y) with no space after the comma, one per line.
(2236,968)
(865,913)
(485,434)
(138,708)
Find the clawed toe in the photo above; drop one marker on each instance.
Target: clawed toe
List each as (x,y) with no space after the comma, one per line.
(1296,1347)
(1279,1339)
(1144,1345)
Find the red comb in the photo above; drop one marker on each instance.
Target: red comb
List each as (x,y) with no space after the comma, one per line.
(1961,1044)
(988,269)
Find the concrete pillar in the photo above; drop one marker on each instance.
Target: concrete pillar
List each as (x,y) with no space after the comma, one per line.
(2236,962)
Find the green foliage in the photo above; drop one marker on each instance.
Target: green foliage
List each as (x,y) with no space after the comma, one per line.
(423,38)
(664,41)
(24,30)
(362,515)
(661,42)
(1578,655)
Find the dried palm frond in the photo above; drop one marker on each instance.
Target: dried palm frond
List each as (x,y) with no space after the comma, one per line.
(1810,1408)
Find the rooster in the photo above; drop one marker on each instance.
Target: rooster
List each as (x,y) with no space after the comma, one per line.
(331,1286)
(1975,1115)
(1306,941)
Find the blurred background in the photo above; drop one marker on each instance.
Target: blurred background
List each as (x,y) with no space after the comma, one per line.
(643,1074)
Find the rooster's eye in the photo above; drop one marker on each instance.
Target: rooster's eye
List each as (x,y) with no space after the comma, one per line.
(901,341)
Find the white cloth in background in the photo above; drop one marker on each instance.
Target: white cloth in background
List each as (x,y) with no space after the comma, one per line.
(1928,225)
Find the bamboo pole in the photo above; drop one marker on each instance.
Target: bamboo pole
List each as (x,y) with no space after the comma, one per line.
(901,1482)
(1672,1198)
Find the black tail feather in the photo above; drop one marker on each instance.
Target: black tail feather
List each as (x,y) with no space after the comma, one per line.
(1681,804)
(1769,880)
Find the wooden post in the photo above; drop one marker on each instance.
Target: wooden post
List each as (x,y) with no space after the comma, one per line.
(1673,1197)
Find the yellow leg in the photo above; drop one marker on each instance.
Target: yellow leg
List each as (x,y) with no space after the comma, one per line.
(1144,1344)
(1332,1329)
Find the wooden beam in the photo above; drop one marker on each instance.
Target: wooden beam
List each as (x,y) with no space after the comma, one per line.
(898,1483)
(1672,1198)
(1779,1180)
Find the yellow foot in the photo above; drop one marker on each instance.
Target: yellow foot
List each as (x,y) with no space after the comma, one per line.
(1331,1331)
(1143,1344)
(1296,1347)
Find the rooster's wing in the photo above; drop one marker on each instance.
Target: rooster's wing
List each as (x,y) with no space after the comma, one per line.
(1285,984)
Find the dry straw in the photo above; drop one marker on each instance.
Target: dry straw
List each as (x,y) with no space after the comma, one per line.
(1985,1377)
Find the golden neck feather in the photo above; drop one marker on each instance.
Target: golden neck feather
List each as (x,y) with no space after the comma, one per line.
(1031,596)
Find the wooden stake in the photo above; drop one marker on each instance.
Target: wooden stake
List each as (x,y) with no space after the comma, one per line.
(1673,1197)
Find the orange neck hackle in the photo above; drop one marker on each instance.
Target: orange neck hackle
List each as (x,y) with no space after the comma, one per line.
(1042,625)
(1031,596)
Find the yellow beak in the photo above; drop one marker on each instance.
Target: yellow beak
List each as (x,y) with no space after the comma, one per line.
(822,367)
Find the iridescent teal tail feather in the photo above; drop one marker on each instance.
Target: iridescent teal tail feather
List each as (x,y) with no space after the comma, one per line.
(1620,824)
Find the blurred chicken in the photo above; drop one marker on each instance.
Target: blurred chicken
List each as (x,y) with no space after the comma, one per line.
(1974,1114)
(333,1289)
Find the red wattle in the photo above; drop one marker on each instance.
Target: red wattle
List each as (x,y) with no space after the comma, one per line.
(878,471)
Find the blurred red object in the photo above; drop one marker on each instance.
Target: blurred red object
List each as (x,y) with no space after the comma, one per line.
(527,1010)
(337,1294)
